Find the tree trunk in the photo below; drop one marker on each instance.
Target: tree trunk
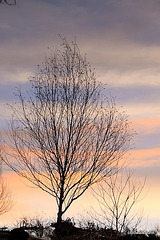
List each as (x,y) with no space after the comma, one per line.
(60,211)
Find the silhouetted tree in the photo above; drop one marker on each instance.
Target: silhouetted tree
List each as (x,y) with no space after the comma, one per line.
(8,2)
(5,196)
(117,196)
(65,133)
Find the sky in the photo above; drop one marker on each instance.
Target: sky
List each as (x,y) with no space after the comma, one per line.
(122,41)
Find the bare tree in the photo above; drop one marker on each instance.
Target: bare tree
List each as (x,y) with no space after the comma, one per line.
(65,133)
(5,195)
(13,2)
(5,198)
(117,197)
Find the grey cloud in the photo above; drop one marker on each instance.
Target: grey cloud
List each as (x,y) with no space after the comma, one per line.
(135,94)
(143,141)
(122,36)
(123,95)
(8,91)
(104,29)
(151,172)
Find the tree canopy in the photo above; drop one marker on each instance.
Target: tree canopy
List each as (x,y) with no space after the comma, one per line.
(65,133)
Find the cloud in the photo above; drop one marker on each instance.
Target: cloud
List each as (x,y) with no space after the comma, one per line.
(112,33)
(148,133)
(128,57)
(28,201)
(146,162)
(146,125)
(122,41)
(135,95)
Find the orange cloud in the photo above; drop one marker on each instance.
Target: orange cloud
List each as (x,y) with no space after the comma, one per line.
(146,125)
(144,158)
(27,200)
(30,201)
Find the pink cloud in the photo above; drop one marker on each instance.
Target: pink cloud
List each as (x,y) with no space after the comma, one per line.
(145,158)
(146,125)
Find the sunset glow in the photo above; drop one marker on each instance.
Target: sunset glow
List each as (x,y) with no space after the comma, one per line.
(122,41)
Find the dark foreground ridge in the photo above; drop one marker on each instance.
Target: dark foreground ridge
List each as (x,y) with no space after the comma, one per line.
(67,231)
(15,234)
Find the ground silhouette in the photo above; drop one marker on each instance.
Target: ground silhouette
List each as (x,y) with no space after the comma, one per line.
(66,230)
